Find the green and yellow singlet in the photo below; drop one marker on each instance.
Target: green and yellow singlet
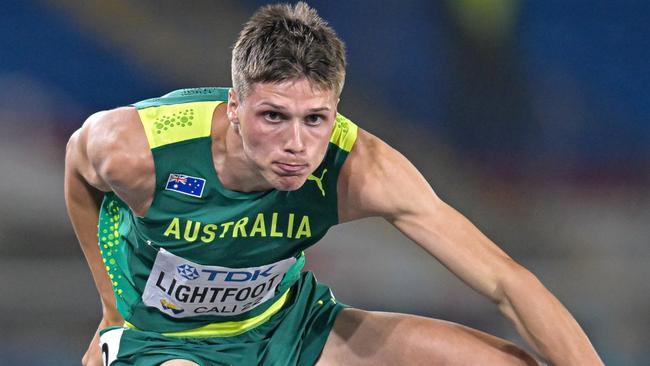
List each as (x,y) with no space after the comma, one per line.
(206,260)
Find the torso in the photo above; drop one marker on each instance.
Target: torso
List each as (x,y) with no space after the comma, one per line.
(216,228)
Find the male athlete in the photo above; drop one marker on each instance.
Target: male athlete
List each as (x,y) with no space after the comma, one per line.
(206,198)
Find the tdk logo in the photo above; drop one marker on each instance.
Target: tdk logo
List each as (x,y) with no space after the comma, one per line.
(188,271)
(238,276)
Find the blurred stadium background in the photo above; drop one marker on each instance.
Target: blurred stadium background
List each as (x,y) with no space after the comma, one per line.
(530,117)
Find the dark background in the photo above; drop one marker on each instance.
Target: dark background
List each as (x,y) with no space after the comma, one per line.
(530,117)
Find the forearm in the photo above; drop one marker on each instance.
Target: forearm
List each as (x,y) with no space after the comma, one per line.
(544,322)
(82,202)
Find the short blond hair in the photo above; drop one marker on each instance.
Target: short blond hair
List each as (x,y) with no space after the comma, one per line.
(283,42)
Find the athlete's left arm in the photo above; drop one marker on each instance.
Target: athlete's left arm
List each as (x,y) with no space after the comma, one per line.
(376,180)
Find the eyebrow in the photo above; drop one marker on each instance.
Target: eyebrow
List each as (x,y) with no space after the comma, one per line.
(279,107)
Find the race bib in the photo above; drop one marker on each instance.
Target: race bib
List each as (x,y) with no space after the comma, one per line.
(181,288)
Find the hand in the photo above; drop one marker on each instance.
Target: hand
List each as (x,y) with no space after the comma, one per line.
(93,356)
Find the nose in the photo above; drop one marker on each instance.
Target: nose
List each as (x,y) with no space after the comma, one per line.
(294,141)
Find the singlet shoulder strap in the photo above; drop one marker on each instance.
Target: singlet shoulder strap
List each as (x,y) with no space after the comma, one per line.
(181,115)
(168,124)
(344,134)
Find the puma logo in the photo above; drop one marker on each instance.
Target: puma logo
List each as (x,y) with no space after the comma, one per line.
(319,181)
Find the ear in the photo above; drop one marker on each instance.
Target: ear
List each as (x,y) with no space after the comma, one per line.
(336,107)
(233,104)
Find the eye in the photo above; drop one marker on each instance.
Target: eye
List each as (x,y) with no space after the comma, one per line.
(272,116)
(314,119)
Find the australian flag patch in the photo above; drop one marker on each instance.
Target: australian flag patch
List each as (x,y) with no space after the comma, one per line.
(181,183)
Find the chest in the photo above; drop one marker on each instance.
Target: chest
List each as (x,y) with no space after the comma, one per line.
(193,215)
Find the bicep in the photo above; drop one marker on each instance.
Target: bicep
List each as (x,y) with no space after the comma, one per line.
(81,192)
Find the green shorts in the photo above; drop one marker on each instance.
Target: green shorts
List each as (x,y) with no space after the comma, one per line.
(295,335)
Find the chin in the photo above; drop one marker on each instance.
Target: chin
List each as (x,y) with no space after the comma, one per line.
(289,183)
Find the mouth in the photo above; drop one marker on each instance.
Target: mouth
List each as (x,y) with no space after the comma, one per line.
(290,168)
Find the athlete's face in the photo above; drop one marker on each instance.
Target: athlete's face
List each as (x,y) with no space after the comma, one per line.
(285,129)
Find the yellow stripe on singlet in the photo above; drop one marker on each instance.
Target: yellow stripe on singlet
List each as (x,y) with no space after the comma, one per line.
(167,124)
(344,134)
(228,329)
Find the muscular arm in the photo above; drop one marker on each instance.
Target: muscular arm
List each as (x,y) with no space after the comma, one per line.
(108,153)
(378,181)
(83,189)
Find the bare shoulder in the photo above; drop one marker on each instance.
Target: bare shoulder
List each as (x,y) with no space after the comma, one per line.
(116,143)
(377,180)
(115,153)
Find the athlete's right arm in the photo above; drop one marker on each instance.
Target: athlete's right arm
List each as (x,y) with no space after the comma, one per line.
(103,156)
(84,188)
